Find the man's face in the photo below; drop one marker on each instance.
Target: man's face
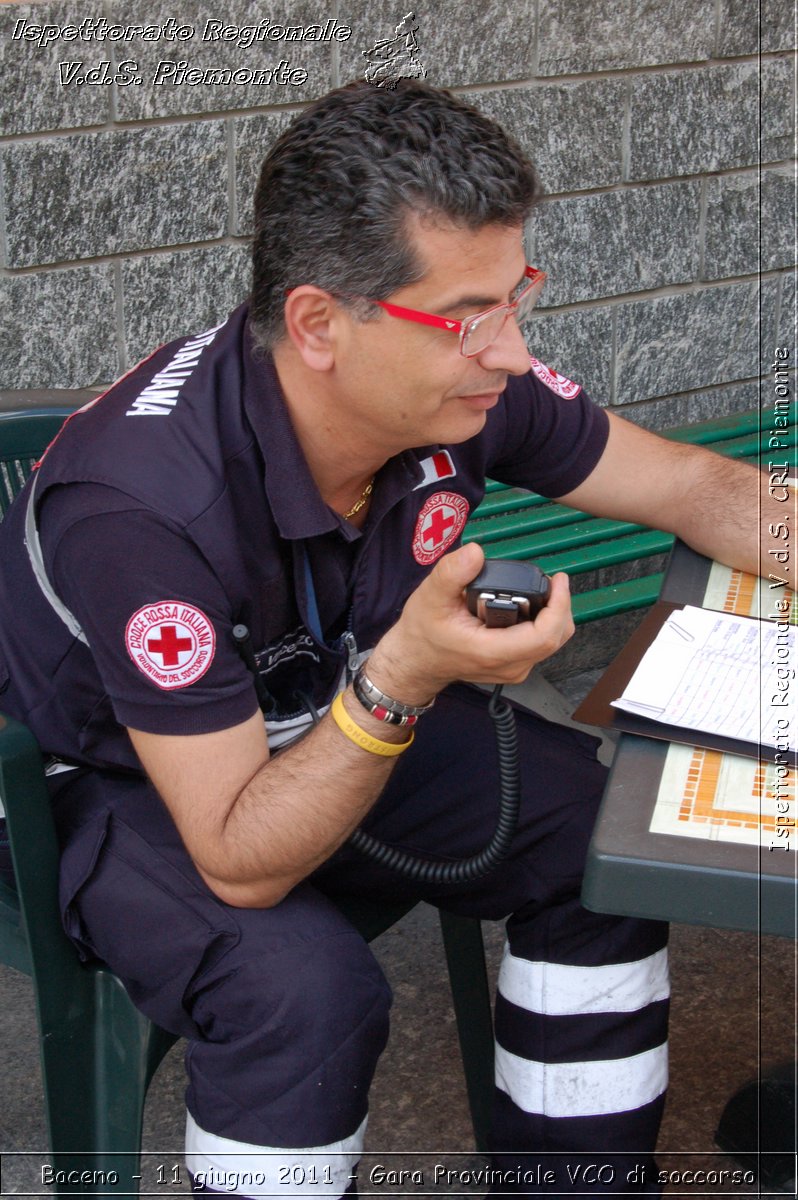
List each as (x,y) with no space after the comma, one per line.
(407,384)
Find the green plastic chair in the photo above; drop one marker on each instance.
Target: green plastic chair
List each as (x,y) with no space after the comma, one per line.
(98,1053)
(24,436)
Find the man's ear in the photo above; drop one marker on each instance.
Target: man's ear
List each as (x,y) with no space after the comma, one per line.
(309,316)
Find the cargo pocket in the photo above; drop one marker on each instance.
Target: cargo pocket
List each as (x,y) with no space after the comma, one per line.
(138,904)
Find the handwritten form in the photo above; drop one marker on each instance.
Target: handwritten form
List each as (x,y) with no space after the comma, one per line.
(714,671)
(725,797)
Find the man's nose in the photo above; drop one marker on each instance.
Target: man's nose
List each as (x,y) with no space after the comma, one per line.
(508,352)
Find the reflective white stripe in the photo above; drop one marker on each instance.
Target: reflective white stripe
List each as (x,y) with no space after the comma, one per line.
(33,546)
(564,991)
(283,733)
(58,768)
(239,1168)
(583,1089)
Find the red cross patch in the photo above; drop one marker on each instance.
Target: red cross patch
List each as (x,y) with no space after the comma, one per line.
(173,644)
(439,523)
(554,380)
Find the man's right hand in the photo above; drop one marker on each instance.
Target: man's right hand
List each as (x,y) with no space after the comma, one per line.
(437,640)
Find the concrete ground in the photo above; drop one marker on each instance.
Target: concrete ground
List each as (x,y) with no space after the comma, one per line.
(733,1009)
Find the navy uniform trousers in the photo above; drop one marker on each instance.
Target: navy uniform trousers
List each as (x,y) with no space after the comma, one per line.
(286,1009)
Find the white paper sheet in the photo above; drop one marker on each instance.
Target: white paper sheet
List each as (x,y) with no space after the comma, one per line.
(720,673)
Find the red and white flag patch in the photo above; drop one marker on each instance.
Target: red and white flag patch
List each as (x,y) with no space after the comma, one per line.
(553,379)
(172,643)
(439,523)
(437,466)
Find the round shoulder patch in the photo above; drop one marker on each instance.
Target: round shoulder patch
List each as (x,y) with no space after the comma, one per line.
(172,643)
(554,380)
(439,523)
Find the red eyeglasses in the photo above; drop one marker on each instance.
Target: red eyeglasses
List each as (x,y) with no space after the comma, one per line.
(476,333)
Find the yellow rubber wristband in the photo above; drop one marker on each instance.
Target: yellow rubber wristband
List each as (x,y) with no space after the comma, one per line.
(359,736)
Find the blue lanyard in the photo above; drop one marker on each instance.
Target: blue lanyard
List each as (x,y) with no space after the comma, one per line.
(314,620)
(346,642)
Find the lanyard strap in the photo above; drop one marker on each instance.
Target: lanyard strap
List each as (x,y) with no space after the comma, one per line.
(314,620)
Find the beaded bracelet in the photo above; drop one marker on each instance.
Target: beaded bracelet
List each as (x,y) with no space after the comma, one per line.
(383,707)
(359,736)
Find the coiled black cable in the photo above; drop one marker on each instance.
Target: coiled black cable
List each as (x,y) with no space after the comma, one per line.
(424,870)
(427,870)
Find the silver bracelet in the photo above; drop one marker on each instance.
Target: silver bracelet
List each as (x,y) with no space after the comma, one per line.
(383,707)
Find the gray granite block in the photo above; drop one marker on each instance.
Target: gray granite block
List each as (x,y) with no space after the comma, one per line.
(111,192)
(778,218)
(746,28)
(769,326)
(169,295)
(595,36)
(687,341)
(32,94)
(626,241)
(692,407)
(253,138)
(731,239)
(573,132)
(458,44)
(777,112)
(696,121)
(214,69)
(787,316)
(59,329)
(578,344)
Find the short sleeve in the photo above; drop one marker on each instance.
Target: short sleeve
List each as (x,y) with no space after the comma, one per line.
(551,443)
(157,620)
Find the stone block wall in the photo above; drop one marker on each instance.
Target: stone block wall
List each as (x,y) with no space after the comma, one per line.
(662,132)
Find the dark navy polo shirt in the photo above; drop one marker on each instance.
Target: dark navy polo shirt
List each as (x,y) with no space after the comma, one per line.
(180,505)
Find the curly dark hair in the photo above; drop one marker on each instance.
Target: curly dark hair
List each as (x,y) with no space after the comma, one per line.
(336,188)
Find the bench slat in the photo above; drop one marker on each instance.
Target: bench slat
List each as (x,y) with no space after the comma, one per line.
(585,558)
(616,598)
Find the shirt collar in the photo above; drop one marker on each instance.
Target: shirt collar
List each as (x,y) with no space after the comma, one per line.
(294,498)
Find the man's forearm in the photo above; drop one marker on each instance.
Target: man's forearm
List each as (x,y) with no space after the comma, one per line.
(299,808)
(740,516)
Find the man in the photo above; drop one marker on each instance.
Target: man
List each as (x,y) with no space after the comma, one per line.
(305,471)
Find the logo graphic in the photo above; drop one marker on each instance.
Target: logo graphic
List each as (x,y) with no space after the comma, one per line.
(394,58)
(439,523)
(173,644)
(554,380)
(437,466)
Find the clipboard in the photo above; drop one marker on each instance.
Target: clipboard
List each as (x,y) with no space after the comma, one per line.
(596,708)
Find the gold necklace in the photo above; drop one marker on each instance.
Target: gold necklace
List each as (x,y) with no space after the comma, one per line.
(364,495)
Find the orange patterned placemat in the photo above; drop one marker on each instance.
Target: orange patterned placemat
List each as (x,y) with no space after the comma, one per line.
(725,797)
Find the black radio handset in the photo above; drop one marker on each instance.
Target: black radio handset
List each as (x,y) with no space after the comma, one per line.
(503,594)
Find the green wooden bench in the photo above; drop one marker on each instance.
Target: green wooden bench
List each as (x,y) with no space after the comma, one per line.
(515,524)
